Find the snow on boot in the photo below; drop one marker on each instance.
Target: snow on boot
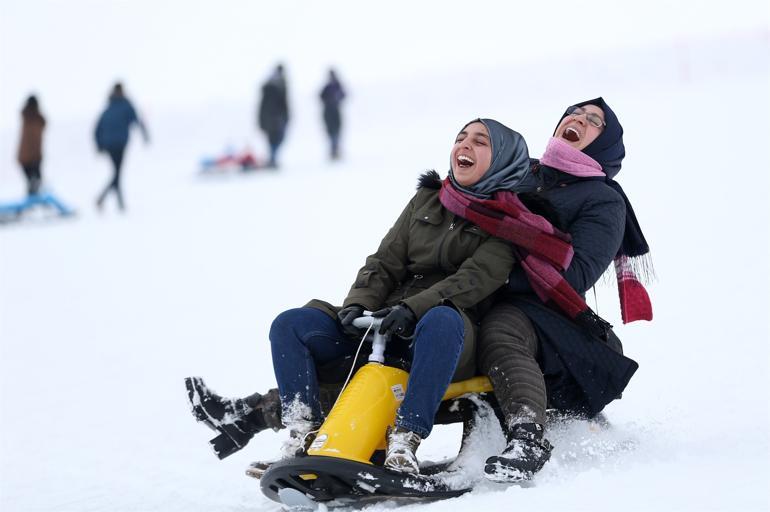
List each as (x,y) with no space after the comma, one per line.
(301,436)
(236,419)
(400,455)
(525,455)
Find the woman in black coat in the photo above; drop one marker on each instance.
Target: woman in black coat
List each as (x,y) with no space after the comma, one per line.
(273,114)
(332,95)
(535,354)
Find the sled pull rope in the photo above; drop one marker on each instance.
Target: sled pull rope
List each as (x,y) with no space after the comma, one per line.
(350,373)
(353,366)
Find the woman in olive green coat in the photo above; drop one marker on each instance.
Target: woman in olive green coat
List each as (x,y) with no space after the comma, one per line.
(426,279)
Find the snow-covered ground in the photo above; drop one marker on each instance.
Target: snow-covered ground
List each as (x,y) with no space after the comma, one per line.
(101,316)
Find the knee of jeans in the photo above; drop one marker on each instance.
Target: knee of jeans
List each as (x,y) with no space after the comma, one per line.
(283,322)
(444,317)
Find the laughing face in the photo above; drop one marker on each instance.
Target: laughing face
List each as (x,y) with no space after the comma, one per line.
(471,154)
(575,129)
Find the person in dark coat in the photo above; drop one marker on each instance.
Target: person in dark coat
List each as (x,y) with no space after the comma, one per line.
(30,154)
(273,115)
(535,353)
(112,134)
(426,279)
(332,95)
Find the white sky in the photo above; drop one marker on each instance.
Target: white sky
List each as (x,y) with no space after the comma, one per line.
(178,53)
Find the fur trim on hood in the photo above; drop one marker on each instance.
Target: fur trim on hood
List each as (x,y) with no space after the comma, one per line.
(429,179)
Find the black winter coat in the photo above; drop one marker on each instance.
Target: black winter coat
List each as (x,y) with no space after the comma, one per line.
(331,96)
(273,115)
(582,373)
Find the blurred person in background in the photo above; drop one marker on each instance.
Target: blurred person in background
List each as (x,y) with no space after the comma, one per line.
(332,95)
(30,153)
(112,133)
(30,156)
(273,114)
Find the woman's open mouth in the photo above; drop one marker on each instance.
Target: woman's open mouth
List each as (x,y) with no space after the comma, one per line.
(464,161)
(571,134)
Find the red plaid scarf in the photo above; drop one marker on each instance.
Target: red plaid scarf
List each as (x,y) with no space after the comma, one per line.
(634,301)
(543,251)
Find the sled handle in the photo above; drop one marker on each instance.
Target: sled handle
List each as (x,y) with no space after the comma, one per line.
(379,341)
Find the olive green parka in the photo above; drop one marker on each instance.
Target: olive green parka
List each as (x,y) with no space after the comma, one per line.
(431,257)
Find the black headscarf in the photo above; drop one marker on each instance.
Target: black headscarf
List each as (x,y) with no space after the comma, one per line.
(509,168)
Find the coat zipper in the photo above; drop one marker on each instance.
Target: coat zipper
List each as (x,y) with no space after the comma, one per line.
(441,245)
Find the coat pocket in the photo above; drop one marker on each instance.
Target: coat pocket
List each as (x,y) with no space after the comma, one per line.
(473,229)
(362,281)
(429,215)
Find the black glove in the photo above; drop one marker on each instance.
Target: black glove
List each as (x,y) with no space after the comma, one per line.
(399,320)
(346,317)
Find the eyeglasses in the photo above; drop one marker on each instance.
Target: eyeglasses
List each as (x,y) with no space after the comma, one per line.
(594,120)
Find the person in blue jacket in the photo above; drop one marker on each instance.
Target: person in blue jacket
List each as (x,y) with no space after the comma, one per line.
(112,133)
(535,354)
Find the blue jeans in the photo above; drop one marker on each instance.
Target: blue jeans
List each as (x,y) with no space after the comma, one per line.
(304,337)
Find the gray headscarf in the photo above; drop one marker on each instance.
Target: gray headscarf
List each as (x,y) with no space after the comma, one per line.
(509,169)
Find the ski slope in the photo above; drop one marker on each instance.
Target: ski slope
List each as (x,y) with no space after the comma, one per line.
(101,316)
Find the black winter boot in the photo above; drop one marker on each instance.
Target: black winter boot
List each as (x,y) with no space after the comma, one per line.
(525,455)
(236,419)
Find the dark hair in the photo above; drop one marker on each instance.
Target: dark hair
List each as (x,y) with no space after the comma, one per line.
(31,103)
(31,107)
(117,89)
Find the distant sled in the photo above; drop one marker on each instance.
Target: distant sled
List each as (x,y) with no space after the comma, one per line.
(231,161)
(45,201)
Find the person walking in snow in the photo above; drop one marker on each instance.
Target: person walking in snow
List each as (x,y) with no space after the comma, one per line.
(30,154)
(273,114)
(112,134)
(426,279)
(332,95)
(537,344)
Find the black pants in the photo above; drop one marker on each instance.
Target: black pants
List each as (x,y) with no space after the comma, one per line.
(507,352)
(274,139)
(34,179)
(116,155)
